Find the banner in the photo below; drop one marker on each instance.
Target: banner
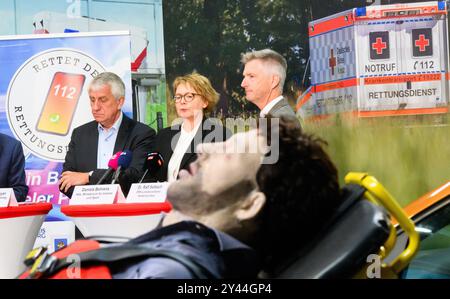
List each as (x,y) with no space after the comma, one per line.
(44,96)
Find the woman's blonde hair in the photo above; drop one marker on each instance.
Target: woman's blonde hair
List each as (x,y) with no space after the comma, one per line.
(202,86)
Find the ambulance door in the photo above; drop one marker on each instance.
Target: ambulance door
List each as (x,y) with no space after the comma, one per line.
(377,42)
(423,67)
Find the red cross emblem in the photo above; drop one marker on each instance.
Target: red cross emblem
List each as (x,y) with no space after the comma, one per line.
(332,61)
(379,45)
(422,43)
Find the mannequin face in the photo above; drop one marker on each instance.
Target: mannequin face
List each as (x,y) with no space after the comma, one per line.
(222,177)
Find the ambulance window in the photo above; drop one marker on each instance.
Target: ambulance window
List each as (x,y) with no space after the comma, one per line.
(432,261)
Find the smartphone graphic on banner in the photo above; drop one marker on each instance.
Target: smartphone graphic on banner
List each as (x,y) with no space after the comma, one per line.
(60,104)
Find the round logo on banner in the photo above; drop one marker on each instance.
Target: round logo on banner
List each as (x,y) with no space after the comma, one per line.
(47,98)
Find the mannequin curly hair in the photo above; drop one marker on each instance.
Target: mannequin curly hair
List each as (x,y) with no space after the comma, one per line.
(301,190)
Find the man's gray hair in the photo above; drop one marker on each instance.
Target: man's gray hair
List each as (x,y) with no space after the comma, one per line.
(268,55)
(115,83)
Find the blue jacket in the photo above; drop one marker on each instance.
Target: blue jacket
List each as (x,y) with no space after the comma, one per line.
(12,166)
(220,254)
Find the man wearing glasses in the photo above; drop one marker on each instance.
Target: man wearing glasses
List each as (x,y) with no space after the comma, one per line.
(92,144)
(195,99)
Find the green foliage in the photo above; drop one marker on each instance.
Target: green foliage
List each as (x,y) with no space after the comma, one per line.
(209,36)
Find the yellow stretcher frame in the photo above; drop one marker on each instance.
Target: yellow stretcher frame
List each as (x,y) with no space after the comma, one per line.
(377,194)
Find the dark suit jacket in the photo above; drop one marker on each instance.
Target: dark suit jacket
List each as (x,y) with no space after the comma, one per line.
(82,154)
(167,138)
(12,167)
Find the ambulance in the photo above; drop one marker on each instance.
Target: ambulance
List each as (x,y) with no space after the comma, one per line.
(380,60)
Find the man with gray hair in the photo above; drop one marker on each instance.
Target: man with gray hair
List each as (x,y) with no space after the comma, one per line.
(264,76)
(92,144)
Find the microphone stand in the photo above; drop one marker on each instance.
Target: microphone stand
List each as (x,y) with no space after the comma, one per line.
(116,175)
(145,173)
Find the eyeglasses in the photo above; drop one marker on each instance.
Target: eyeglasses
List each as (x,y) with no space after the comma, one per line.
(188,97)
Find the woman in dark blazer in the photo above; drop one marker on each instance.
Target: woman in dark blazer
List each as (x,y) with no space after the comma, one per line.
(194,99)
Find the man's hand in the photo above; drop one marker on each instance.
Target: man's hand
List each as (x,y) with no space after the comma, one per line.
(71,178)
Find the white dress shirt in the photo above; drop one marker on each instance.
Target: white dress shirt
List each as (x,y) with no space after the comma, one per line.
(269,106)
(180,149)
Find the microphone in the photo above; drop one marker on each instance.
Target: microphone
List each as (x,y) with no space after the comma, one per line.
(153,162)
(112,165)
(123,162)
(159,121)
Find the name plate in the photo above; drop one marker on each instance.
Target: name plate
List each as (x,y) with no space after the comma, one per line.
(97,195)
(147,193)
(7,198)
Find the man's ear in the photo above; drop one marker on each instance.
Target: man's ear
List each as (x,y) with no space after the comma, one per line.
(251,206)
(121,102)
(275,81)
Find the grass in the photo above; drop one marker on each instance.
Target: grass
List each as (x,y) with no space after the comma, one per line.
(410,156)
